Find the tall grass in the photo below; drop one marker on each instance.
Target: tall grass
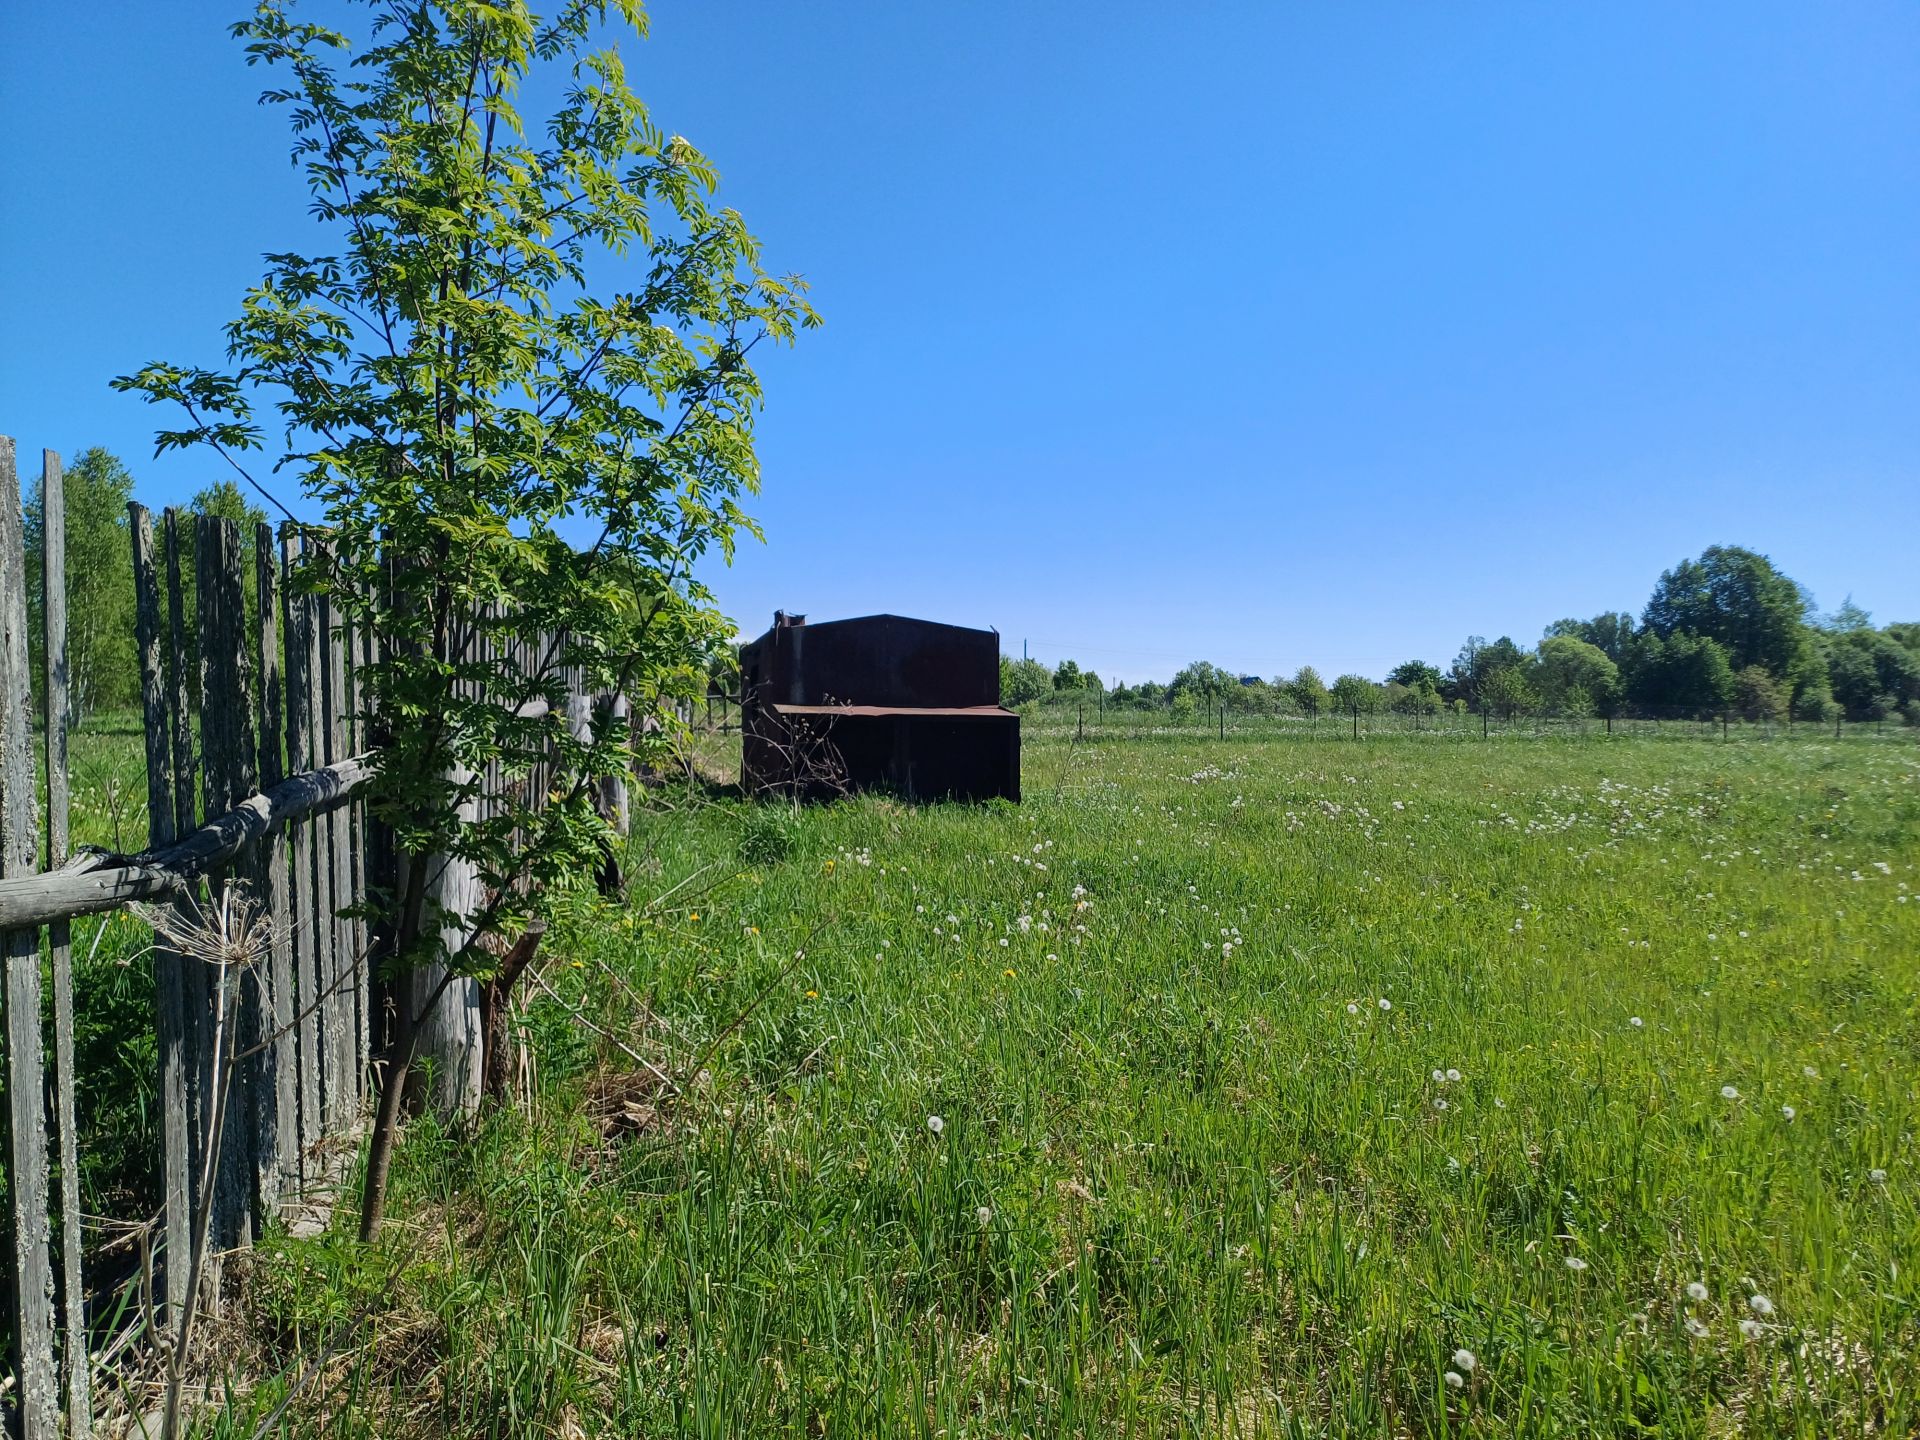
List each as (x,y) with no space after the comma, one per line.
(1269,1077)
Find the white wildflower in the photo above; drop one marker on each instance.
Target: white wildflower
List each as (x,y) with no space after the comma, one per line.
(936,1124)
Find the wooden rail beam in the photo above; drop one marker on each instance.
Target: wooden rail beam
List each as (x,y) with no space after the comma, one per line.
(96,882)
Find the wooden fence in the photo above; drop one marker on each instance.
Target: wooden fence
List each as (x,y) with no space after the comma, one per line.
(265,1012)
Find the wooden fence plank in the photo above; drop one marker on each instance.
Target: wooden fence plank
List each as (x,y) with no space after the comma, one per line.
(353,826)
(298,610)
(169,997)
(365,870)
(227,778)
(57,698)
(37,1390)
(337,1007)
(194,991)
(276,1095)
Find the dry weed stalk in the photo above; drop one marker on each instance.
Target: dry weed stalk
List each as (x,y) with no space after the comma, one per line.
(232,935)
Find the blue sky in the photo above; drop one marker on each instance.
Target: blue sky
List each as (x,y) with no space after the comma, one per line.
(1262,333)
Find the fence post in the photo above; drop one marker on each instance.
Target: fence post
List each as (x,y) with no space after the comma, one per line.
(227,777)
(194,994)
(296,611)
(37,1394)
(169,995)
(53,570)
(276,1096)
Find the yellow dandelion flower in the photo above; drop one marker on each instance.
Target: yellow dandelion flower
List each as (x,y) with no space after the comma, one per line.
(813,994)
(1009,974)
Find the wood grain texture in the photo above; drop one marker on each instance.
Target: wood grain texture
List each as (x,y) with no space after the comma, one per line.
(37,1392)
(276,1082)
(169,997)
(297,609)
(58,710)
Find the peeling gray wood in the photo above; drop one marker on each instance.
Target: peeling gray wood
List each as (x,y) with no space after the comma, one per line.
(58,710)
(297,609)
(93,882)
(37,1392)
(276,1093)
(169,997)
(194,993)
(227,779)
(343,1094)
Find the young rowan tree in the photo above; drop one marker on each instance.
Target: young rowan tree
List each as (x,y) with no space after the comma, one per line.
(452,382)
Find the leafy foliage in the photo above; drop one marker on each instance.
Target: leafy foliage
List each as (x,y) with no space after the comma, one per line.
(451,385)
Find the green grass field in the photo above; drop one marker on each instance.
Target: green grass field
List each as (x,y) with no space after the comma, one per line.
(1190,1175)
(1289,1088)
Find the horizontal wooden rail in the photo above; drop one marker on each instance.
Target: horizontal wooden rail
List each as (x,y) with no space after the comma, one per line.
(94,882)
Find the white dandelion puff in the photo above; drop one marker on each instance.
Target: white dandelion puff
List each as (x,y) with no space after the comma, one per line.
(1787,1112)
(1464,1361)
(1696,1291)
(1455,1381)
(984,1215)
(1576,1264)
(1751,1329)
(1727,1092)
(1453,1075)
(1877,1176)
(936,1124)
(1385,1004)
(1697,1328)
(1760,1304)
(1635,1021)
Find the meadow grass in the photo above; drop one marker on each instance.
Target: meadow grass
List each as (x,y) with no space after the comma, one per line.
(1218,1089)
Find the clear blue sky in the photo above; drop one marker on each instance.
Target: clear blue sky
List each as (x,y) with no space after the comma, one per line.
(1263,333)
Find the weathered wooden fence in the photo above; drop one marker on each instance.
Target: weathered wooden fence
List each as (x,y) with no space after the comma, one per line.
(266,1012)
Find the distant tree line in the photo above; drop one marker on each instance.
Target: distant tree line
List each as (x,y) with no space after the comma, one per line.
(104,671)
(1726,634)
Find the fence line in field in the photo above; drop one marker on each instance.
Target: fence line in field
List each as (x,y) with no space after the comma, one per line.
(256,753)
(1090,719)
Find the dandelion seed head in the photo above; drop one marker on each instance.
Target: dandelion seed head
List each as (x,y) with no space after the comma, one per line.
(1696,1291)
(1464,1361)
(1760,1304)
(936,1124)
(1727,1092)
(1576,1264)
(1455,1381)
